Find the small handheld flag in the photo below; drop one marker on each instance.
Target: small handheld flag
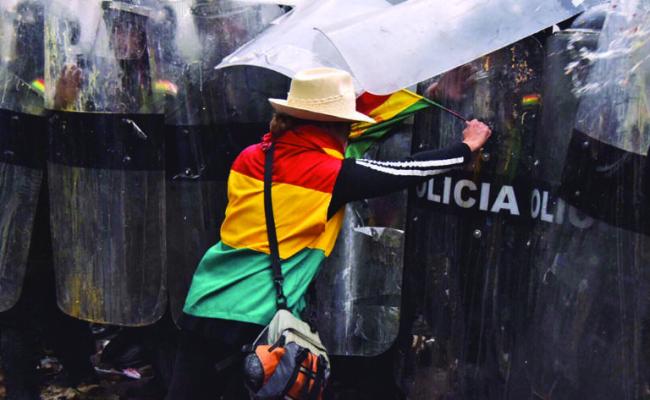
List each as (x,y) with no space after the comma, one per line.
(387,111)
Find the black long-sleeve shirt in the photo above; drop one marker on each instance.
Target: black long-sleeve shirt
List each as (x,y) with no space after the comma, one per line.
(361,178)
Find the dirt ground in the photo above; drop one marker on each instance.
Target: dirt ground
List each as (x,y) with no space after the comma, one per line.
(110,387)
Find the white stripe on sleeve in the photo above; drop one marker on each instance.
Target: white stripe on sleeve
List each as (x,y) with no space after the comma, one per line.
(401,172)
(416,164)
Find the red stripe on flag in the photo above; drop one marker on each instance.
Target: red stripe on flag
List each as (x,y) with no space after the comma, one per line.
(293,165)
(368,102)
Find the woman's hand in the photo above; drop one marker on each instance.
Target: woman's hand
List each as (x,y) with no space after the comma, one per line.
(476,133)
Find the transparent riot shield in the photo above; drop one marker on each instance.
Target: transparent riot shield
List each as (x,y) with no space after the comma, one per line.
(106,162)
(467,276)
(236,95)
(292,44)
(210,118)
(438,36)
(591,314)
(575,322)
(357,295)
(23,138)
(618,82)
(612,125)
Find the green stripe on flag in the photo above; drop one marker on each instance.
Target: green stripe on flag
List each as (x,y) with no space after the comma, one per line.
(357,147)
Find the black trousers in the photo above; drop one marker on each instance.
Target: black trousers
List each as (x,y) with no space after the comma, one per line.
(209,359)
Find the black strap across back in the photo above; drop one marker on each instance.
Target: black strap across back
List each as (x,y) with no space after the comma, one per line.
(278,278)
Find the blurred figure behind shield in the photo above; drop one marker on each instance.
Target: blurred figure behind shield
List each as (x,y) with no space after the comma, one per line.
(126,22)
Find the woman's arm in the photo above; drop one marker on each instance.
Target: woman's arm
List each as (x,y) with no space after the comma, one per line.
(360,178)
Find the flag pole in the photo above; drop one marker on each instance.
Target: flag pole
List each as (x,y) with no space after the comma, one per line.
(445,109)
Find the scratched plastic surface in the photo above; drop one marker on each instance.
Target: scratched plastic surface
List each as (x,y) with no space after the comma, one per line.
(116,53)
(23,138)
(536,286)
(292,43)
(436,36)
(619,80)
(357,299)
(106,160)
(107,205)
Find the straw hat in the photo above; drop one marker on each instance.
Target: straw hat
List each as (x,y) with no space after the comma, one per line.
(321,94)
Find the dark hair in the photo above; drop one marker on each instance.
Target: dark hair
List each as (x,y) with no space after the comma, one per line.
(281,123)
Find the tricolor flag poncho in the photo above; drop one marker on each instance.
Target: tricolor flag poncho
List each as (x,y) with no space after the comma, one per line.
(388,111)
(234,279)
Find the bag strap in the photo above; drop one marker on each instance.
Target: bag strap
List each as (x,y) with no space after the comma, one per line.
(278,278)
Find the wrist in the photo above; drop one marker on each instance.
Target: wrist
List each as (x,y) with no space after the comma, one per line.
(473,146)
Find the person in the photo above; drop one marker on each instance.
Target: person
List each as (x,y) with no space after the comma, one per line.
(232,294)
(126,23)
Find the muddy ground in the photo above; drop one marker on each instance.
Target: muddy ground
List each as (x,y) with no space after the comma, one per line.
(110,386)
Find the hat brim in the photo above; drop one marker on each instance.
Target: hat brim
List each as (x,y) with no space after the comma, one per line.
(283,107)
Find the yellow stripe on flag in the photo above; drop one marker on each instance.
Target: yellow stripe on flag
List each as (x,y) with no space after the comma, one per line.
(245,227)
(392,106)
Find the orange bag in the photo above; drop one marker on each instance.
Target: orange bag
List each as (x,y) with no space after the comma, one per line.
(281,371)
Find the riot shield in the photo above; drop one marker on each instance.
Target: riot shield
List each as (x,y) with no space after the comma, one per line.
(375,45)
(591,315)
(212,116)
(358,291)
(106,161)
(573,320)
(22,138)
(467,282)
(236,95)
